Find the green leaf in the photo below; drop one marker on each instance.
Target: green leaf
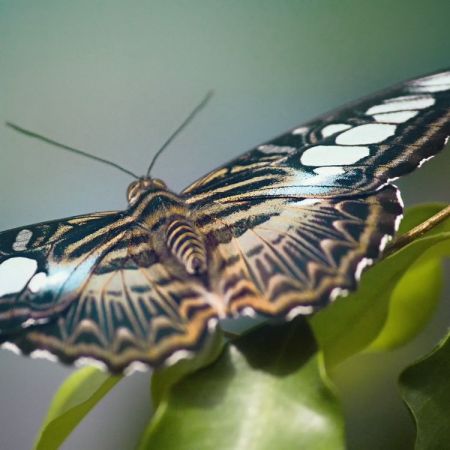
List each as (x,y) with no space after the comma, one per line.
(353,323)
(412,304)
(425,388)
(72,402)
(264,392)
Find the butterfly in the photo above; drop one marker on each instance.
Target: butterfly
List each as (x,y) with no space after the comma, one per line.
(281,231)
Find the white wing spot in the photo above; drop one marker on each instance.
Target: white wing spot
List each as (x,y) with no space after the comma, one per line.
(404,103)
(11,347)
(365,262)
(300,130)
(43,354)
(15,274)
(433,83)
(22,239)
(338,292)
(275,149)
(37,282)
(298,310)
(395,117)
(330,170)
(435,80)
(333,155)
(334,128)
(370,133)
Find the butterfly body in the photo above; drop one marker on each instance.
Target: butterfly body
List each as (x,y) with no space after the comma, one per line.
(280,231)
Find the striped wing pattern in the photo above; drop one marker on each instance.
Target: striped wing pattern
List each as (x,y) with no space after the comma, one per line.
(117,300)
(282,257)
(280,231)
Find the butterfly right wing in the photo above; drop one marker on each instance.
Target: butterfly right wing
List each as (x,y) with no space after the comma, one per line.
(354,150)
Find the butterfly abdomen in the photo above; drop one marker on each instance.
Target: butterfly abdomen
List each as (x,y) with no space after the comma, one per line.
(186,245)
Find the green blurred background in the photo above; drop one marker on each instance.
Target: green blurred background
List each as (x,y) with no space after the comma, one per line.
(117,77)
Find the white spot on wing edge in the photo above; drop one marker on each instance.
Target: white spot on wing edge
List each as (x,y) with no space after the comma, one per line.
(338,292)
(86,361)
(405,103)
(399,218)
(424,160)
(43,354)
(432,83)
(178,356)
(136,366)
(365,262)
(11,347)
(436,79)
(22,239)
(187,354)
(300,130)
(276,149)
(299,310)
(384,241)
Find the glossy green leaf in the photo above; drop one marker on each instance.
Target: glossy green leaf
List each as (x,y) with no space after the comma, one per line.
(425,388)
(353,323)
(71,403)
(265,392)
(412,304)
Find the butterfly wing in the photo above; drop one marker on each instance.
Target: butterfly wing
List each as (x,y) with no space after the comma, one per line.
(355,149)
(294,221)
(116,301)
(41,266)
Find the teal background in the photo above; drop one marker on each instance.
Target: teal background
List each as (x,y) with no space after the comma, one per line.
(117,77)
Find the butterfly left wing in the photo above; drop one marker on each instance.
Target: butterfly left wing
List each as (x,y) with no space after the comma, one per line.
(42,265)
(118,300)
(294,221)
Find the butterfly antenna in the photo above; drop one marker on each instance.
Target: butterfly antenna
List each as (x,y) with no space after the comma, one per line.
(66,147)
(194,112)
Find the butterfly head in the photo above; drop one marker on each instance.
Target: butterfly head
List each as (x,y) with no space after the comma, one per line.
(141,185)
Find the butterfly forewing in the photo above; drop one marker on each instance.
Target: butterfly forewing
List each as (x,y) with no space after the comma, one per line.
(43,266)
(353,150)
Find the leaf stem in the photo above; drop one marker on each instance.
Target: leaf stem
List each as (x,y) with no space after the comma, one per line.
(417,231)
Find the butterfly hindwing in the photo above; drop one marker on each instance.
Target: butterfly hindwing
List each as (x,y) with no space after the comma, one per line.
(283,257)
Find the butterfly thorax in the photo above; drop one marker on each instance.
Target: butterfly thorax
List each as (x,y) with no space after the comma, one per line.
(168,218)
